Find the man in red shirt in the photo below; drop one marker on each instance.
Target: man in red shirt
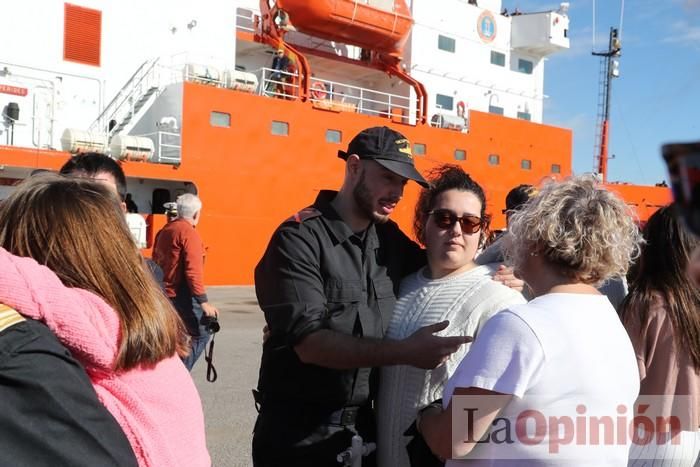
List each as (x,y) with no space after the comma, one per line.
(179,251)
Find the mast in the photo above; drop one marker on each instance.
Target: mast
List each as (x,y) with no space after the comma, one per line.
(609,69)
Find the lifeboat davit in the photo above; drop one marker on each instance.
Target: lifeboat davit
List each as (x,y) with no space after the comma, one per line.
(379,25)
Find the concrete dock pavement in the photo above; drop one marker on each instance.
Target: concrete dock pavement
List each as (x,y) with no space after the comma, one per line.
(228,403)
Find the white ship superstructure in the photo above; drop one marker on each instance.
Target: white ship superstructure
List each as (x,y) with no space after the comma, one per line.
(63,74)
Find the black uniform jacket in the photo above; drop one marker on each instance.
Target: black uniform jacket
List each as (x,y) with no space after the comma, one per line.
(318,274)
(50,414)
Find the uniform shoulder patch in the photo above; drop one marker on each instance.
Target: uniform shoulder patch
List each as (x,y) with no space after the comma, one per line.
(304,215)
(9,317)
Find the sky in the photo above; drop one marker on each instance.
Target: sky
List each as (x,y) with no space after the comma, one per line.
(655,100)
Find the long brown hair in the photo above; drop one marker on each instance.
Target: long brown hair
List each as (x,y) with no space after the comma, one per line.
(662,270)
(77,229)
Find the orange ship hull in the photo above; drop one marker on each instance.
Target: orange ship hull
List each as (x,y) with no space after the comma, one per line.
(250,180)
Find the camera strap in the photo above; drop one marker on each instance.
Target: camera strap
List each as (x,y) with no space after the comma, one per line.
(209,357)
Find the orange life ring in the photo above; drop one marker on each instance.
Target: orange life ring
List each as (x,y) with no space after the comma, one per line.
(318,91)
(460,108)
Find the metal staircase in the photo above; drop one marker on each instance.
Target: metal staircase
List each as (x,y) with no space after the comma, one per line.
(141,89)
(138,105)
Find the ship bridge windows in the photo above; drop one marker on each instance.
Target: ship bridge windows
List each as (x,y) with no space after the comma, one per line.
(419,149)
(498,58)
(447,44)
(524,116)
(526,164)
(444,102)
(525,66)
(460,155)
(334,136)
(279,128)
(220,119)
(494,159)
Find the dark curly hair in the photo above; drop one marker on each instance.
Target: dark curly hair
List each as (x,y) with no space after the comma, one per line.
(443,178)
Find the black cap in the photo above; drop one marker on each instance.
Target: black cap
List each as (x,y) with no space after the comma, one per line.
(518,196)
(388,148)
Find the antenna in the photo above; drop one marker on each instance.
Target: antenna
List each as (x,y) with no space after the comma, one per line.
(609,69)
(593,37)
(622,15)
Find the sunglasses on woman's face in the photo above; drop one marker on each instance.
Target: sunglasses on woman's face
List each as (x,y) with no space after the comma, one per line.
(446,219)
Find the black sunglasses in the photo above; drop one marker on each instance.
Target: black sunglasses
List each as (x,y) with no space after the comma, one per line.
(683,161)
(446,219)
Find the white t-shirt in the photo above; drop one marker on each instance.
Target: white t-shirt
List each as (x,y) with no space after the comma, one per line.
(137,226)
(467,300)
(557,354)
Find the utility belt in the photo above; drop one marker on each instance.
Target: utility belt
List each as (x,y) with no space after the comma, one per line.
(346,416)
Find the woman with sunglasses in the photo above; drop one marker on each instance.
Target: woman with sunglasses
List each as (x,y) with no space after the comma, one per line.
(450,221)
(542,375)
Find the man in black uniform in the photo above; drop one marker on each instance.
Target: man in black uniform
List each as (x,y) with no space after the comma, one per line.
(327,285)
(50,412)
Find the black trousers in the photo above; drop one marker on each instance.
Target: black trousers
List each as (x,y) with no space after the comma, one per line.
(301,438)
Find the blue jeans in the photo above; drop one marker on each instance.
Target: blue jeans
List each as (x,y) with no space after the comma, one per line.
(198,344)
(191,313)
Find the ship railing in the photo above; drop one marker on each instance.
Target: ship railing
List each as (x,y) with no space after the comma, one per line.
(124,103)
(277,83)
(168,147)
(350,98)
(245,19)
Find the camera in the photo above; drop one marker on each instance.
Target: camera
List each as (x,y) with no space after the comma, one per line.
(210,324)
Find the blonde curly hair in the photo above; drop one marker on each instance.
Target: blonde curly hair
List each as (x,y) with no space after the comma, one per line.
(577,226)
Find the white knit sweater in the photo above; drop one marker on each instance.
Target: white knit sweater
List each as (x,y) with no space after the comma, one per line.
(467,300)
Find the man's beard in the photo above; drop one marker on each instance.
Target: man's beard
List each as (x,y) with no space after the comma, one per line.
(363,199)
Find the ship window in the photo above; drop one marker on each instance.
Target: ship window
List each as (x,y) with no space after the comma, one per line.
(460,154)
(334,136)
(556,168)
(444,102)
(524,116)
(220,119)
(446,43)
(279,128)
(82,34)
(526,164)
(497,58)
(419,149)
(494,159)
(495,110)
(525,66)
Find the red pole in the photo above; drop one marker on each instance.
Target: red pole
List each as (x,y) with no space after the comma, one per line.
(603,156)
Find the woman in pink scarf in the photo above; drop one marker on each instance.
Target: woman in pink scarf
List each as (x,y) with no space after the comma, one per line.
(97,297)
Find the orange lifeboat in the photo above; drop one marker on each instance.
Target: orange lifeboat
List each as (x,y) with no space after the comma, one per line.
(379,25)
